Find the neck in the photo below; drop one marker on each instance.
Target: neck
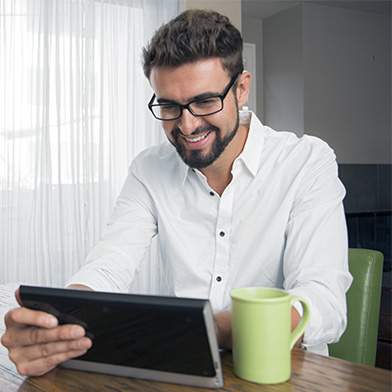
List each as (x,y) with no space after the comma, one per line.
(219,173)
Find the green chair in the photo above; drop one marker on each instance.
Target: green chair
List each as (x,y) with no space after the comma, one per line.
(359,341)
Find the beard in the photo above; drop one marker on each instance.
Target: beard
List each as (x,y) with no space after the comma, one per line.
(197,159)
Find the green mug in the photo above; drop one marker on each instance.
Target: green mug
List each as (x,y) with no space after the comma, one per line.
(262,337)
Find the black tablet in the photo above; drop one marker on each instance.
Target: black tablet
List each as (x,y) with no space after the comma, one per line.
(151,337)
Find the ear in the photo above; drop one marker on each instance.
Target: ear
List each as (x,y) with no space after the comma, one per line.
(243,86)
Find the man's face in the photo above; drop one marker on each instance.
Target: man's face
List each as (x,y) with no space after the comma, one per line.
(200,141)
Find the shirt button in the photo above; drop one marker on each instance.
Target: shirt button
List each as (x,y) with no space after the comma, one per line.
(219,279)
(212,193)
(222,233)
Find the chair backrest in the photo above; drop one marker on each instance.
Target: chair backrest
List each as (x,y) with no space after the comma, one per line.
(359,341)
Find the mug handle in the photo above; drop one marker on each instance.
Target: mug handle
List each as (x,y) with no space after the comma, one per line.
(296,334)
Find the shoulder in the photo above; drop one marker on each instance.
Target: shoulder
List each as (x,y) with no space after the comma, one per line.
(303,148)
(291,139)
(272,143)
(292,157)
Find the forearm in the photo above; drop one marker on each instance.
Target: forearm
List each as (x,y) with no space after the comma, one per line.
(224,332)
(79,287)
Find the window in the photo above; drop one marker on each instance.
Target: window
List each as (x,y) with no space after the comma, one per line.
(72,117)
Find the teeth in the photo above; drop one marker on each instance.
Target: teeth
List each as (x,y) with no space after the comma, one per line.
(194,140)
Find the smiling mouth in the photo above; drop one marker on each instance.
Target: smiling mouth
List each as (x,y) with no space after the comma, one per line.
(196,139)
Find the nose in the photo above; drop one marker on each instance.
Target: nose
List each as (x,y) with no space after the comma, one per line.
(188,122)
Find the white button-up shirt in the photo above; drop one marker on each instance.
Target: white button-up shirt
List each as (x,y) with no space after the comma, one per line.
(279,223)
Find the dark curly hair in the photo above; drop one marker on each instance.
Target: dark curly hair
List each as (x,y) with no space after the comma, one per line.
(195,35)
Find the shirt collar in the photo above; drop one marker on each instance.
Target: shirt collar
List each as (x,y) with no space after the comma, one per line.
(251,153)
(183,167)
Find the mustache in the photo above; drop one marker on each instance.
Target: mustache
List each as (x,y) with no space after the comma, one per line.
(198,131)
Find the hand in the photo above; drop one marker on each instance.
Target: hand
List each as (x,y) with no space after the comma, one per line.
(223,329)
(37,344)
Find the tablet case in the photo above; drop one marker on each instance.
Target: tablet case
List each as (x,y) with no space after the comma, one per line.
(150,337)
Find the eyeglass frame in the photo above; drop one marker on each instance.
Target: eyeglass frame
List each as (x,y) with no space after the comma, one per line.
(186,106)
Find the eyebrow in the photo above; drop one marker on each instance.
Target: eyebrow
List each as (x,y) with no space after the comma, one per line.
(194,98)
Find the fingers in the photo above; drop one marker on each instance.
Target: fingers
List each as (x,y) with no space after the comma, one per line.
(36,342)
(28,336)
(20,317)
(17,296)
(39,359)
(27,327)
(46,350)
(41,365)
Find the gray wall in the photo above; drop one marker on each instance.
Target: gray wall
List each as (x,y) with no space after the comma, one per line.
(283,71)
(253,28)
(327,72)
(347,83)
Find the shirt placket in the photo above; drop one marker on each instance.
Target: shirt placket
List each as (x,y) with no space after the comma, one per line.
(222,240)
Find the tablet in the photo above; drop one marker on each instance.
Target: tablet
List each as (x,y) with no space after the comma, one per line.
(150,337)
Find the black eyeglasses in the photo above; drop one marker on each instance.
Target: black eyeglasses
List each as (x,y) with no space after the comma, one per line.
(199,107)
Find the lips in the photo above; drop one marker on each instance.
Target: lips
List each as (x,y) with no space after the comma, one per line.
(195,139)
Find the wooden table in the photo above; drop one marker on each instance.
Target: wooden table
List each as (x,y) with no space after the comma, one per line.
(310,372)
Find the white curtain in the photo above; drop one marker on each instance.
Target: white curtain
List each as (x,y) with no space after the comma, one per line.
(73,114)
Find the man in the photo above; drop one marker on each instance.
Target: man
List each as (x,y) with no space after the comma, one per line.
(231,202)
